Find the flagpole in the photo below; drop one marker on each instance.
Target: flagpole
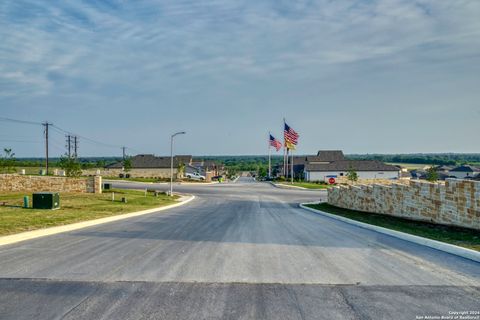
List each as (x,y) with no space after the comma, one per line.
(292,168)
(285,152)
(269,157)
(286,165)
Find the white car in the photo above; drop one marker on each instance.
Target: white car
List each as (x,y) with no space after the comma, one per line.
(195,176)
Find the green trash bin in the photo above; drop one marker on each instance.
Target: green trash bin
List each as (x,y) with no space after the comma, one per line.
(46,200)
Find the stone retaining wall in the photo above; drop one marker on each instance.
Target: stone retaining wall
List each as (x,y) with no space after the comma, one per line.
(20,183)
(455,202)
(344,180)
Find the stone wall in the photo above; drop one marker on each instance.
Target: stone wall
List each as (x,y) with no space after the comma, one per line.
(344,180)
(455,202)
(21,183)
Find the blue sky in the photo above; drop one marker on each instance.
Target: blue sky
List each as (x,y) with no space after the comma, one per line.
(386,76)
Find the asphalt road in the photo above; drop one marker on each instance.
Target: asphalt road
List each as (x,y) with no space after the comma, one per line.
(238,251)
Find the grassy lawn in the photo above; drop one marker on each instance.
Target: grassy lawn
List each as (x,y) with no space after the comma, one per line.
(463,237)
(308,185)
(73,208)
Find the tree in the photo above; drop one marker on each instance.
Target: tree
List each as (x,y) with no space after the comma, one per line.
(100,163)
(7,161)
(127,165)
(352,175)
(262,172)
(71,166)
(432,174)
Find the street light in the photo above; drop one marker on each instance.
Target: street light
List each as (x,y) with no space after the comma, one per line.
(171,159)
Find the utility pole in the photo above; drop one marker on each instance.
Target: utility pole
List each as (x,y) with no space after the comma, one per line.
(123,152)
(46,124)
(69,145)
(75,146)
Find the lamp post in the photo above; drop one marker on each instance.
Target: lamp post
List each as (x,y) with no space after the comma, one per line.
(171,159)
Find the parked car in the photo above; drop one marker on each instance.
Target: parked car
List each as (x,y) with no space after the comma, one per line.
(195,176)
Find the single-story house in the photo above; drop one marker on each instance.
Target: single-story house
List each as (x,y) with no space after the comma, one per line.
(464,172)
(332,163)
(148,166)
(299,162)
(366,169)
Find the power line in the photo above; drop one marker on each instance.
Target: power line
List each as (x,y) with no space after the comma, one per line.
(63,131)
(20,121)
(87,139)
(22,141)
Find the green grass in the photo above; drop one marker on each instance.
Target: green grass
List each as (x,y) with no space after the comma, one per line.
(463,237)
(307,185)
(74,208)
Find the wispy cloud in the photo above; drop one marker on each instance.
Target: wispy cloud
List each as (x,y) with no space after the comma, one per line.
(95,42)
(109,49)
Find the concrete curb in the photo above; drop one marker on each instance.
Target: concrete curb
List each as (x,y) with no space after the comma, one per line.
(14,238)
(286,186)
(441,246)
(197,183)
(127,181)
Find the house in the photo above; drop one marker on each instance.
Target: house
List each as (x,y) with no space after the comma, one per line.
(299,162)
(332,163)
(444,168)
(464,172)
(366,169)
(207,168)
(148,166)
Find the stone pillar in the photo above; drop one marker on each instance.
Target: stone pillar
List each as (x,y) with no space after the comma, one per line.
(97,184)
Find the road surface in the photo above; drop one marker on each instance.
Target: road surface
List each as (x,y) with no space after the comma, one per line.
(238,251)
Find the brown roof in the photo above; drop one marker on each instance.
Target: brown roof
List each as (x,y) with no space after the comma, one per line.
(327,156)
(357,165)
(322,156)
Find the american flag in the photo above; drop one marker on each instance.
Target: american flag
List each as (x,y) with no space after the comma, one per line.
(275,143)
(290,135)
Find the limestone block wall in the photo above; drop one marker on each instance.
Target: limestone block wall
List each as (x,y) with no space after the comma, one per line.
(344,180)
(455,202)
(21,183)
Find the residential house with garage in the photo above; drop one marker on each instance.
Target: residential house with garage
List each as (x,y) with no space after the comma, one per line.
(366,169)
(333,164)
(464,172)
(148,166)
(207,168)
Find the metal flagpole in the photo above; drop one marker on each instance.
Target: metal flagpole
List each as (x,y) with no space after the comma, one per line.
(269,157)
(286,165)
(284,151)
(292,168)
